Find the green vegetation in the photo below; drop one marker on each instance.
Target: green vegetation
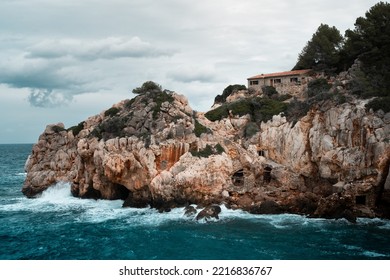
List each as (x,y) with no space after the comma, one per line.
(282,97)
(57,128)
(219,149)
(77,128)
(227,92)
(322,52)
(368,44)
(200,128)
(251,129)
(318,87)
(110,128)
(148,87)
(160,98)
(259,109)
(380,103)
(111,112)
(296,110)
(129,104)
(269,91)
(208,151)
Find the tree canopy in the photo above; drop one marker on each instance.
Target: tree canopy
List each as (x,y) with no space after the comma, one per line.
(322,52)
(370,43)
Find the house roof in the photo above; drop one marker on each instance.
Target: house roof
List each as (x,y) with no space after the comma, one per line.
(281,74)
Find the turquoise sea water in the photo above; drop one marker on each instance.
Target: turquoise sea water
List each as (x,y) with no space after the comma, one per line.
(59,226)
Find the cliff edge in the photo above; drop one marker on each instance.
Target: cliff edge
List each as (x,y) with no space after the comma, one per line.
(331,160)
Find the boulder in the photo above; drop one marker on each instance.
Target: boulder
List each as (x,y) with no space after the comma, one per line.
(267,207)
(209,212)
(190,211)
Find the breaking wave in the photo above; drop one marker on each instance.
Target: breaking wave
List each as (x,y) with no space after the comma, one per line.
(80,221)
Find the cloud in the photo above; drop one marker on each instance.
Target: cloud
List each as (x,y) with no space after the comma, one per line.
(196,73)
(107,48)
(57,70)
(22,72)
(51,82)
(48,98)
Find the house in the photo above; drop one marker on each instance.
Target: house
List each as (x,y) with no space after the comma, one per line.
(288,82)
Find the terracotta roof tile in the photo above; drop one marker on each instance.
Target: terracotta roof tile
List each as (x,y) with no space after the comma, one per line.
(281,74)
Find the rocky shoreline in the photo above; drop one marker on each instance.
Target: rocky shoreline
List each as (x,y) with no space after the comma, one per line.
(154,150)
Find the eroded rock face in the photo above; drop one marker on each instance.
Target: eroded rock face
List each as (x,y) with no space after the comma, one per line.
(147,151)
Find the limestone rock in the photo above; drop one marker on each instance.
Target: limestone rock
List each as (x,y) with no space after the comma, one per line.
(145,151)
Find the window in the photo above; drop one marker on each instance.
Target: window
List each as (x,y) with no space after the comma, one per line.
(277,81)
(261,153)
(254,83)
(294,80)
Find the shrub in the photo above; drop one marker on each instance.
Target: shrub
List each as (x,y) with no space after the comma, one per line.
(111,112)
(57,128)
(219,149)
(282,97)
(110,128)
(200,128)
(208,151)
(251,129)
(380,103)
(227,92)
(129,104)
(96,132)
(217,113)
(77,128)
(259,109)
(160,98)
(295,110)
(269,90)
(264,109)
(148,87)
(318,86)
(240,107)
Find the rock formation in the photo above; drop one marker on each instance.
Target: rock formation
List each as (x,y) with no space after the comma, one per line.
(154,150)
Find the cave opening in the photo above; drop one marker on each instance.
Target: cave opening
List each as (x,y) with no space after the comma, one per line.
(360,200)
(238,178)
(121,192)
(267,174)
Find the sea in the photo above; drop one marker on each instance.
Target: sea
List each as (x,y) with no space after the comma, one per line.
(57,226)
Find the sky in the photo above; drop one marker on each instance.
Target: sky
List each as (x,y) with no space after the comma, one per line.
(66,60)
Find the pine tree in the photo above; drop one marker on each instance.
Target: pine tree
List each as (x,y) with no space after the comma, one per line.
(322,52)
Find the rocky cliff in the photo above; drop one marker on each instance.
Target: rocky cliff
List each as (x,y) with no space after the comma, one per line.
(155,150)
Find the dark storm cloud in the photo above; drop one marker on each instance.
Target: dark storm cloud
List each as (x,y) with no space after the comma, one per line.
(56,70)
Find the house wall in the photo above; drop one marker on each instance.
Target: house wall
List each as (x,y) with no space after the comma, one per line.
(294,85)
